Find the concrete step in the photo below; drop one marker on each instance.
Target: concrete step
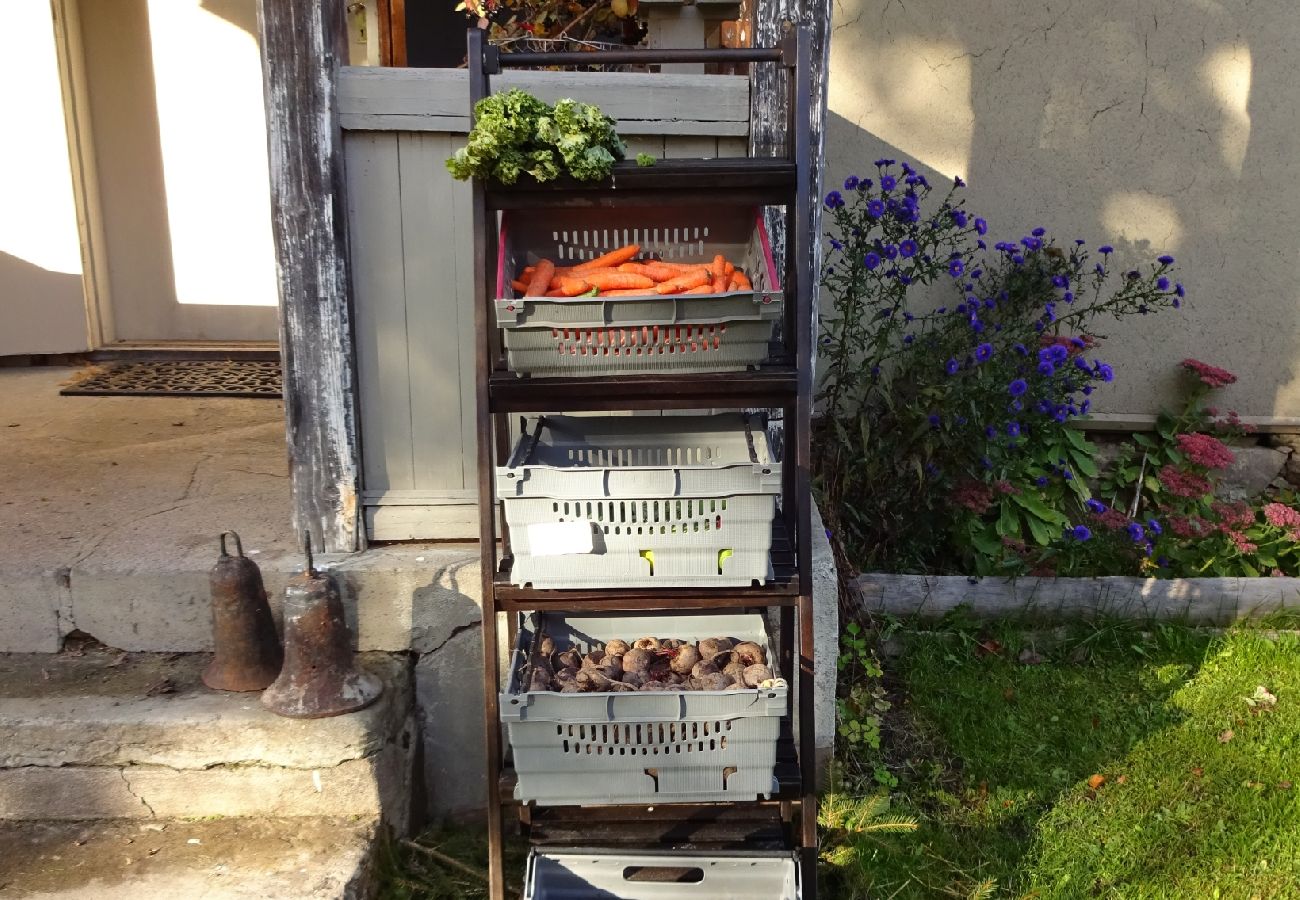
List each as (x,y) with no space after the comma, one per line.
(106,734)
(225,859)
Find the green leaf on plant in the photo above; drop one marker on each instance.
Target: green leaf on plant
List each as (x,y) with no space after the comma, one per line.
(1144,441)
(1038,508)
(1008,521)
(1041,533)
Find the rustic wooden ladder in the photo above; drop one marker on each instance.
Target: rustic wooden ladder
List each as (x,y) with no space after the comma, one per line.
(788,821)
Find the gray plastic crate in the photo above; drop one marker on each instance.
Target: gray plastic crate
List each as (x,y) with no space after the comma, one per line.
(631,501)
(627,335)
(633,747)
(633,875)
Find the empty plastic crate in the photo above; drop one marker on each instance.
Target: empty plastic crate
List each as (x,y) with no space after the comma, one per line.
(628,501)
(627,335)
(642,875)
(639,747)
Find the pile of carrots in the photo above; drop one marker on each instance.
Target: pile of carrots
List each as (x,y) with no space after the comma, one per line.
(619,274)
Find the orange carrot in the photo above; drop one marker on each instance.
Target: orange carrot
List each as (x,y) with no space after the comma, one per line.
(740,282)
(541,280)
(684,282)
(702,289)
(605,261)
(634,268)
(630,292)
(719,273)
(572,287)
(618,280)
(731,268)
(554,294)
(518,285)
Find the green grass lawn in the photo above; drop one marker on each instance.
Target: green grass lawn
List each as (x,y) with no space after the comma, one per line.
(1119,763)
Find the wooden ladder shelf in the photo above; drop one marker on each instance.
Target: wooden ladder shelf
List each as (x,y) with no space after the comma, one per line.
(788,821)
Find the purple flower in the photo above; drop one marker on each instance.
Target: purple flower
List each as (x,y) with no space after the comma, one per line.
(1135,532)
(871,261)
(888,183)
(956,268)
(1039,232)
(981,227)
(851,183)
(836,244)
(934,420)
(907,339)
(907,249)
(1162,283)
(1154,527)
(1165,260)
(1041,481)
(890,251)
(1017,387)
(881,163)
(1031,243)
(990,432)
(1179,290)
(1095,506)
(1018,259)
(951,367)
(1105,372)
(1046,369)
(1067,475)
(834,200)
(1105,249)
(1013,429)
(1060,281)
(1078,533)
(1019,348)
(959,217)
(983,352)
(875,209)
(957,182)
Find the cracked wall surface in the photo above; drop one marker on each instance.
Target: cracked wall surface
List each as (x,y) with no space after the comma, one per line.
(1155,126)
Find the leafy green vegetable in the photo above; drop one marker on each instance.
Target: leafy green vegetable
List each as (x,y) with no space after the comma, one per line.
(516,134)
(645,159)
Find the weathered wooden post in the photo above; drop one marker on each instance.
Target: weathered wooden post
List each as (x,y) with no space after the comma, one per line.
(303,43)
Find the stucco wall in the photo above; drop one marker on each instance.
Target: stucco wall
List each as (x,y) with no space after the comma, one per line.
(1155,126)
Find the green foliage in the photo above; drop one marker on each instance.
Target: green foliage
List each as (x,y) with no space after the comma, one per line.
(645,159)
(860,703)
(516,134)
(944,440)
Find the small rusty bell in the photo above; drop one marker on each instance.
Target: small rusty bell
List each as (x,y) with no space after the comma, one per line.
(320,676)
(248,653)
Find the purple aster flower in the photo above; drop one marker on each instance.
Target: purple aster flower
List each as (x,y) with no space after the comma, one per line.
(1031,243)
(1017,387)
(986,462)
(890,251)
(1081,364)
(951,367)
(907,339)
(1019,348)
(1041,481)
(981,245)
(1135,532)
(1068,296)
(851,183)
(834,200)
(836,244)
(1165,260)
(1179,290)
(1060,281)
(957,182)
(1106,373)
(1018,259)
(1154,527)
(1013,429)
(1039,232)
(1079,533)
(1067,475)
(871,261)
(881,163)
(1046,369)
(875,209)
(934,420)
(1095,506)
(907,249)
(990,432)
(956,268)
(1105,249)
(981,227)
(1162,283)
(983,352)
(1084,407)
(888,183)
(1087,389)
(959,217)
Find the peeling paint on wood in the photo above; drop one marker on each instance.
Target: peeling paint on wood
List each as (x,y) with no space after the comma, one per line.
(302,44)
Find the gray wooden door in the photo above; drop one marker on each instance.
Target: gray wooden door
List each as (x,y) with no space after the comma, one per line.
(411,247)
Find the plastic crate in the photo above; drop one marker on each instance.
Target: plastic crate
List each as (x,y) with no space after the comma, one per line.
(669,501)
(633,747)
(640,875)
(627,335)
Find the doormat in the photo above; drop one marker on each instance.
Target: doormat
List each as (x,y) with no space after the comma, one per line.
(181,378)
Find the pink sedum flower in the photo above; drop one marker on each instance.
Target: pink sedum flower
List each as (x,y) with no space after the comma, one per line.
(1208,375)
(1206,450)
(1281,515)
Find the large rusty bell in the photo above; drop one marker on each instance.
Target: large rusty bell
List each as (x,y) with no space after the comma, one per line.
(320,676)
(248,653)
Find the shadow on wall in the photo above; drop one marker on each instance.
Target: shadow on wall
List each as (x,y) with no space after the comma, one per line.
(42,311)
(1158,127)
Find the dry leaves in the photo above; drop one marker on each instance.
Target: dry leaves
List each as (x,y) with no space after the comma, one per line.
(1096,781)
(1226,735)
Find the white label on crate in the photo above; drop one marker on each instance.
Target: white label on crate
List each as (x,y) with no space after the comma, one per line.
(560,538)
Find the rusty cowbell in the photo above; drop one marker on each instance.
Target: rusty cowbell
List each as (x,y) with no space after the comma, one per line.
(320,676)
(248,653)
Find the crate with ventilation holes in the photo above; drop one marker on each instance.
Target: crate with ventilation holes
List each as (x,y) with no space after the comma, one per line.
(596,749)
(641,501)
(627,874)
(626,335)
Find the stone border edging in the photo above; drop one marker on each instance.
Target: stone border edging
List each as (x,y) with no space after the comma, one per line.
(1202,601)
